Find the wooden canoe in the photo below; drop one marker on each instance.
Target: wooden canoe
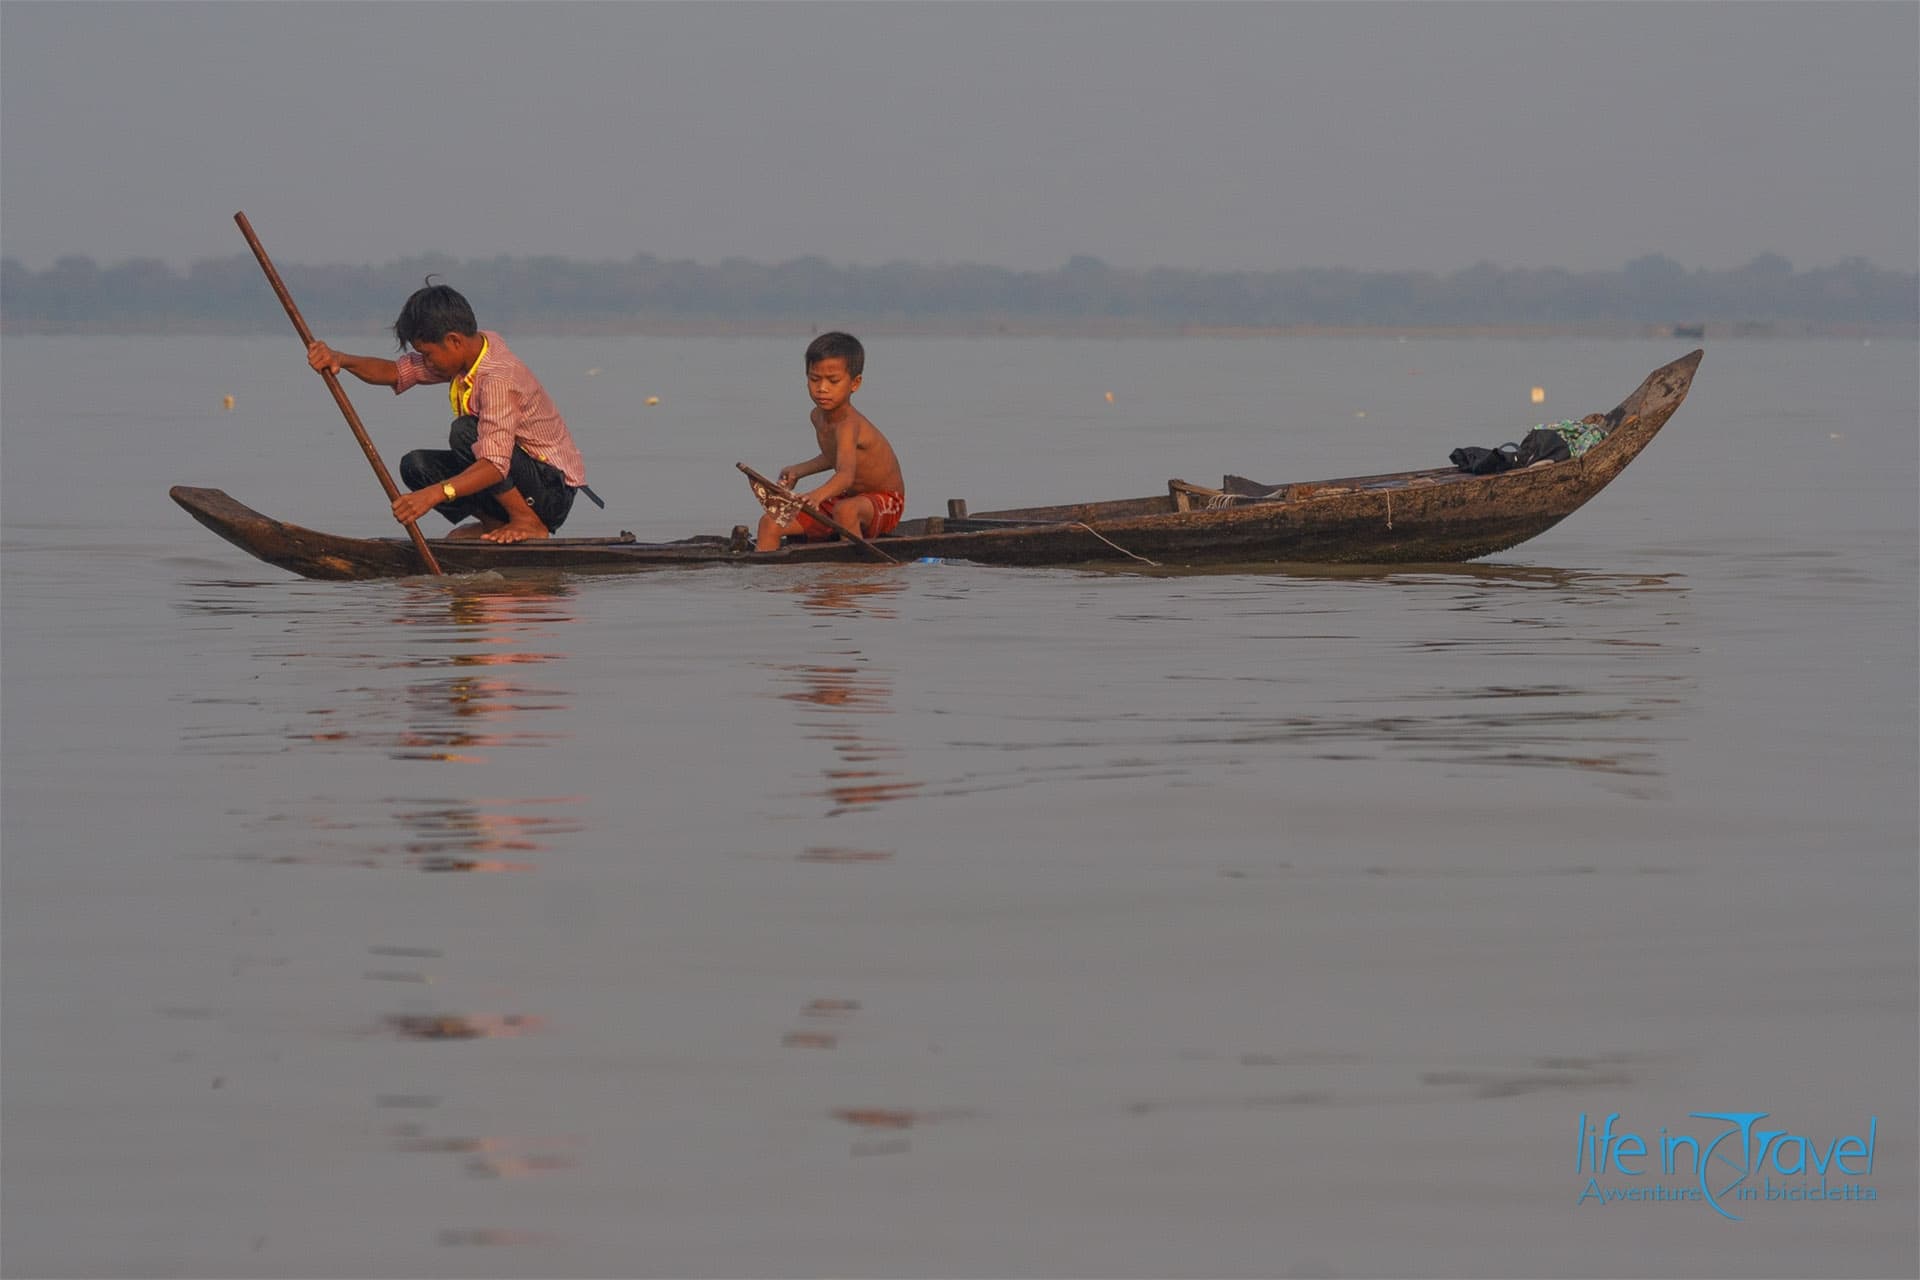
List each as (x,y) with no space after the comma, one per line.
(1430,516)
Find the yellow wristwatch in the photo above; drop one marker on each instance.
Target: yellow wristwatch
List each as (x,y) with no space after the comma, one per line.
(447,489)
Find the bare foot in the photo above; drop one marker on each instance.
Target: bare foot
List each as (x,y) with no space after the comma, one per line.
(518,531)
(467,533)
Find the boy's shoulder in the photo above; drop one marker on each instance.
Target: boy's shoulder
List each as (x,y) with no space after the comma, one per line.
(856,419)
(503,362)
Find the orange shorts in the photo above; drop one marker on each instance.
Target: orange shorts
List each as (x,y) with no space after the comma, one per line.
(887,509)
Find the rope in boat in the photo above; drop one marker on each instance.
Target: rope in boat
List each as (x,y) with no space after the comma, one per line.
(1081,524)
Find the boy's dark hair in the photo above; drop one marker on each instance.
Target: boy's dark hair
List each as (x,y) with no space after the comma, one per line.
(844,345)
(432,313)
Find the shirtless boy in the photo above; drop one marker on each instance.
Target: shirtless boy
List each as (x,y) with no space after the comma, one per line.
(511,462)
(865,491)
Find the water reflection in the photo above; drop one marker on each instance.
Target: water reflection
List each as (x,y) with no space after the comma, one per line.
(849,592)
(452,717)
(1548,669)
(842,696)
(457,1026)
(1487,573)
(1607,731)
(494,1237)
(477,639)
(454,681)
(444,833)
(409,678)
(463,836)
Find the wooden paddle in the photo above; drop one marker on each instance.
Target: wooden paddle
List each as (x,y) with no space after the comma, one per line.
(333,385)
(765,489)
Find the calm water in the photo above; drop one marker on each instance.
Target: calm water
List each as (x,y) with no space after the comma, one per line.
(948,920)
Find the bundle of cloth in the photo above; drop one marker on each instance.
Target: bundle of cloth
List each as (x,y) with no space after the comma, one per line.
(1548,442)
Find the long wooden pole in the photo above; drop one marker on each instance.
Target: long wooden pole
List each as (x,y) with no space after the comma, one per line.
(785,494)
(339,395)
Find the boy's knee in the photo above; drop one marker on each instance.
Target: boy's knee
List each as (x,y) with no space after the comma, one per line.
(414,469)
(465,433)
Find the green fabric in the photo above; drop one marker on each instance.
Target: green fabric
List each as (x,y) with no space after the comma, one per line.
(1580,436)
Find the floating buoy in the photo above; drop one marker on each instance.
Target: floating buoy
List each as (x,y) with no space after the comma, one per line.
(1109,397)
(226,402)
(1539,395)
(1359,413)
(593,373)
(653,399)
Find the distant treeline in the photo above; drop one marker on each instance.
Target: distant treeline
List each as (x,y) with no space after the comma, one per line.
(558,295)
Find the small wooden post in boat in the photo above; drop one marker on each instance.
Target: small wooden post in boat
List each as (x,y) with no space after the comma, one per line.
(339,395)
(956,508)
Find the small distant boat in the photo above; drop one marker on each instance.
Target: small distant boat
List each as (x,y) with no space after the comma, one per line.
(1694,332)
(1435,515)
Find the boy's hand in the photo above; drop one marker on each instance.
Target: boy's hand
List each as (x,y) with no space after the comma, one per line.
(322,358)
(410,507)
(787,477)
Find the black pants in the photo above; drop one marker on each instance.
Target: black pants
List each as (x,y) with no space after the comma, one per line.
(540,483)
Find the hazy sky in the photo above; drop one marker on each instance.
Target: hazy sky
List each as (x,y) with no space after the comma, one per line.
(1254,136)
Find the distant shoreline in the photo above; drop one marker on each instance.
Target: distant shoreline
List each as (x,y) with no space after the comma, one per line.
(1649,296)
(1037,328)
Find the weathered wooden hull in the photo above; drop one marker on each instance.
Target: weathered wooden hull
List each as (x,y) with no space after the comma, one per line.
(1428,516)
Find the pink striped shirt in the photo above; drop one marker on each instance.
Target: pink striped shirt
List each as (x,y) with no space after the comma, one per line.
(513,408)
